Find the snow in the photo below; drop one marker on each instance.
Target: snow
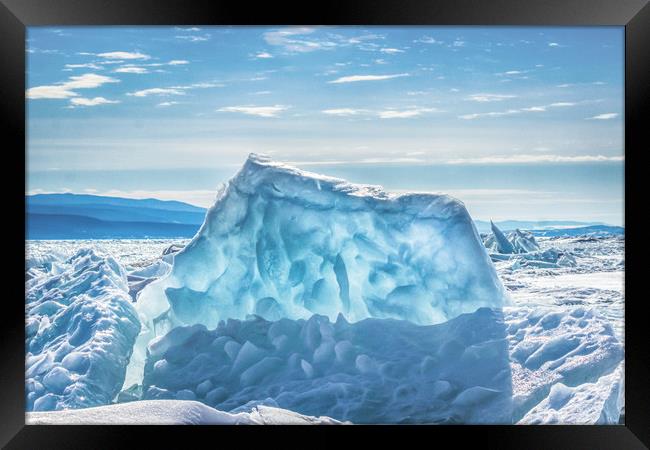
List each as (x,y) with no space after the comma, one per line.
(552,345)
(596,403)
(280,242)
(171,412)
(372,371)
(80,331)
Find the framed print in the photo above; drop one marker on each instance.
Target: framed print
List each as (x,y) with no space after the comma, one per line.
(402,218)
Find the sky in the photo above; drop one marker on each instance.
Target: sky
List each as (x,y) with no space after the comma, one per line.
(517,122)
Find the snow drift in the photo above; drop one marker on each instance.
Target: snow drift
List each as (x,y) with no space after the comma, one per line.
(171,412)
(372,371)
(80,331)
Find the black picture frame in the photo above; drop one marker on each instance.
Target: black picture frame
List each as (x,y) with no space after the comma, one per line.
(16,15)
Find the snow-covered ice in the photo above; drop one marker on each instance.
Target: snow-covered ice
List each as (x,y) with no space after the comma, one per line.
(80,331)
(372,371)
(554,345)
(593,403)
(171,412)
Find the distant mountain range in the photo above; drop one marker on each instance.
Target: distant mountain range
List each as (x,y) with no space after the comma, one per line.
(75,216)
(78,216)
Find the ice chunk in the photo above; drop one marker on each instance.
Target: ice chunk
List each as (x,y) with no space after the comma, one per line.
(81,327)
(280,242)
(517,241)
(503,245)
(372,371)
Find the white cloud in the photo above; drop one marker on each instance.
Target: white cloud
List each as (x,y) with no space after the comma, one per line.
(403,114)
(428,40)
(156,91)
(165,104)
(261,111)
(388,113)
(489,114)
(516,111)
(606,116)
(138,70)
(343,111)
(458,43)
(553,44)
(58,91)
(391,51)
(191,29)
(177,62)
(354,78)
(80,101)
(527,159)
(66,89)
(489,97)
(194,38)
(84,66)
(288,39)
(264,55)
(123,55)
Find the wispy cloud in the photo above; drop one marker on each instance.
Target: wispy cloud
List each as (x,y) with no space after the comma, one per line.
(80,101)
(264,55)
(489,97)
(260,111)
(178,62)
(391,51)
(156,91)
(387,113)
(404,113)
(133,69)
(606,116)
(165,104)
(428,40)
(67,89)
(343,112)
(355,78)
(510,112)
(84,66)
(123,55)
(295,40)
(527,159)
(304,40)
(194,38)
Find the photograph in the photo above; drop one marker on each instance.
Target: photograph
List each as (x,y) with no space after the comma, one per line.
(325,225)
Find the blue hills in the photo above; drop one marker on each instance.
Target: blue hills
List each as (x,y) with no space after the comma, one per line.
(76,216)
(80,216)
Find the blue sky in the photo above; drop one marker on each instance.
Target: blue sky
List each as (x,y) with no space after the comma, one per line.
(519,123)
